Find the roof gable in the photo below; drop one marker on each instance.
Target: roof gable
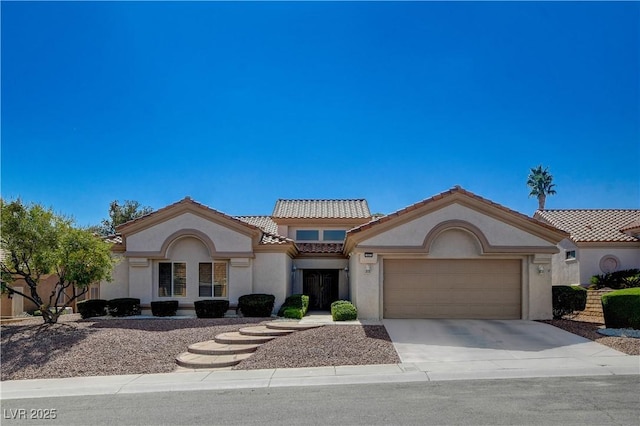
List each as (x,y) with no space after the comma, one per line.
(455,195)
(183,206)
(594,225)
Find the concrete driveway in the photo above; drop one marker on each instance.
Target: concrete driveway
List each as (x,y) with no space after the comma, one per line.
(451,346)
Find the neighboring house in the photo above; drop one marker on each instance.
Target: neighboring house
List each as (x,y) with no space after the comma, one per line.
(16,305)
(455,255)
(600,241)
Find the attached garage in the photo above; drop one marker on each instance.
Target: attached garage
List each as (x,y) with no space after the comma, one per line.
(454,255)
(452,288)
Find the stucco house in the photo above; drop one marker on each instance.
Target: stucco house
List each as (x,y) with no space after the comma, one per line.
(600,241)
(454,255)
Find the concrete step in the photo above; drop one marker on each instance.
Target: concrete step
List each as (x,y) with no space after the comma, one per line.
(234,337)
(261,330)
(291,325)
(211,347)
(189,360)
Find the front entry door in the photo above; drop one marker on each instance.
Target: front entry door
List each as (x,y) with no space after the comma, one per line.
(321,285)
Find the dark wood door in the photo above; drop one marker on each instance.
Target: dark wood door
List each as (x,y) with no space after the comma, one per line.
(321,285)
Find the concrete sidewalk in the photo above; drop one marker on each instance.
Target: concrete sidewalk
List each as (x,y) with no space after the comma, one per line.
(193,380)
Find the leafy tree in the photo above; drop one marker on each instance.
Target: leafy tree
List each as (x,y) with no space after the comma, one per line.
(36,242)
(119,214)
(540,183)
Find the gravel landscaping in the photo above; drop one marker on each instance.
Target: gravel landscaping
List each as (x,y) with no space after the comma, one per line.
(588,327)
(99,347)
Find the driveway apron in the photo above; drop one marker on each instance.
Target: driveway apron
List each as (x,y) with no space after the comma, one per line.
(491,344)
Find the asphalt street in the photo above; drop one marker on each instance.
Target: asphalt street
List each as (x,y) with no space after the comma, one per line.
(601,400)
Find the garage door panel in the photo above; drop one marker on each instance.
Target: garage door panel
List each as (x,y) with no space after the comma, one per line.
(459,288)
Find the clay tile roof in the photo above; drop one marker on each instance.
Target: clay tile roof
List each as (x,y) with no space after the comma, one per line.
(320,247)
(263,222)
(113,239)
(270,228)
(593,225)
(455,190)
(322,209)
(633,225)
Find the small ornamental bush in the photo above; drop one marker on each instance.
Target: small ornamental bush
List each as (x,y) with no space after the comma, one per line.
(92,308)
(295,306)
(211,308)
(164,308)
(124,307)
(567,299)
(621,308)
(293,313)
(628,278)
(256,305)
(343,310)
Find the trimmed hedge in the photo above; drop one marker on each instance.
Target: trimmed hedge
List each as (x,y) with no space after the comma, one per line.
(567,299)
(164,308)
(627,278)
(123,307)
(343,310)
(294,306)
(211,308)
(92,308)
(621,308)
(256,305)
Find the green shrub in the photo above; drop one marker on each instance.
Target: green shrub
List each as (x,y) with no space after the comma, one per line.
(124,307)
(256,305)
(293,313)
(211,308)
(92,308)
(621,308)
(340,302)
(628,278)
(164,308)
(342,310)
(567,299)
(299,302)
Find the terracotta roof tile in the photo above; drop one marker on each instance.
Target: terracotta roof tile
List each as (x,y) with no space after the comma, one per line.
(593,225)
(633,225)
(113,239)
(320,247)
(269,228)
(321,209)
(263,222)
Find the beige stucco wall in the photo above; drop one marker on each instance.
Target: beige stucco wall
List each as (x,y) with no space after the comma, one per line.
(366,287)
(566,272)
(119,285)
(589,259)
(224,239)
(587,262)
(272,275)
(413,233)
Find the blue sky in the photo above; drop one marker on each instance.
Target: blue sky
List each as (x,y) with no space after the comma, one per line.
(239,104)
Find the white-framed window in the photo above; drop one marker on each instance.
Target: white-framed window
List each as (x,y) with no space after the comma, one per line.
(333,235)
(172,279)
(570,255)
(213,278)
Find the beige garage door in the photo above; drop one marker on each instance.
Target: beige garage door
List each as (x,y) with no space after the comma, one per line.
(482,289)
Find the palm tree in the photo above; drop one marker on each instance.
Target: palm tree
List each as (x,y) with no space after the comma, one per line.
(540,183)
